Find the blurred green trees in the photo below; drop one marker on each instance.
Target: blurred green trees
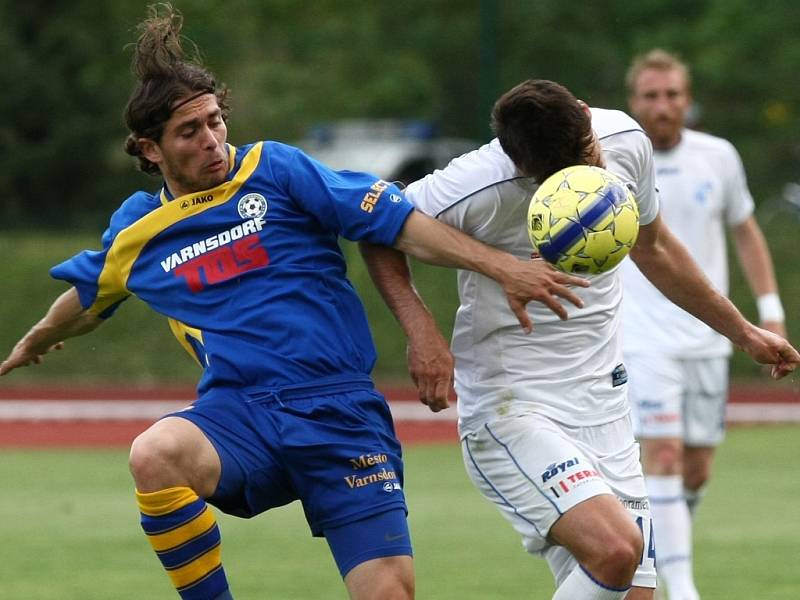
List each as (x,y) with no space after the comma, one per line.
(65,77)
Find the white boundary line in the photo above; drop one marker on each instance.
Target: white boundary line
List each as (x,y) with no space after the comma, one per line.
(125,410)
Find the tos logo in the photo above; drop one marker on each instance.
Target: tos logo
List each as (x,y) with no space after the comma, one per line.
(220,257)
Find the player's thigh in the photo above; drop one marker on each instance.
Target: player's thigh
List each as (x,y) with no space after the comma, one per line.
(374,556)
(535,471)
(656,392)
(620,465)
(614,451)
(592,526)
(532,472)
(603,520)
(251,477)
(343,457)
(706,397)
(384,535)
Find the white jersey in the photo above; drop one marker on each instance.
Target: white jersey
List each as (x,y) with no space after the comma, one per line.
(570,371)
(702,186)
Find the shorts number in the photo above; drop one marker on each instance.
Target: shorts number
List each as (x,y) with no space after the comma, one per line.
(651,545)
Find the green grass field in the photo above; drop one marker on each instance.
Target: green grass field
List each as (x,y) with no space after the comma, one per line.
(70,532)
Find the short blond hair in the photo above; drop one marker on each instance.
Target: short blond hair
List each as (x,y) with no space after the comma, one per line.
(660,60)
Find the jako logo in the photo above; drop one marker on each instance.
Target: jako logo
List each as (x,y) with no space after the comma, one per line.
(197,200)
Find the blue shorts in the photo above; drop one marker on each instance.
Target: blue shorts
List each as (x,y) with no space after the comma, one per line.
(337,453)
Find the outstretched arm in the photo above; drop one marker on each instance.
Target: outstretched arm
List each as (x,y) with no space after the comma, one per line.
(433,242)
(430,363)
(664,260)
(66,318)
(756,261)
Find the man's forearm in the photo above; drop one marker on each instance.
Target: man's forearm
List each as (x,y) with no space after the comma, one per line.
(436,243)
(756,262)
(389,271)
(66,318)
(670,268)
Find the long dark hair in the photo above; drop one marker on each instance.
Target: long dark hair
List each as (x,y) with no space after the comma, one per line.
(165,77)
(542,128)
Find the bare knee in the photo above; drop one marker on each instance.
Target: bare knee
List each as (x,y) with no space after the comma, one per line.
(697,467)
(662,456)
(400,588)
(154,460)
(603,538)
(616,562)
(390,578)
(173,453)
(695,480)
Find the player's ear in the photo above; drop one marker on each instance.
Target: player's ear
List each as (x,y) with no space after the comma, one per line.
(585,107)
(150,150)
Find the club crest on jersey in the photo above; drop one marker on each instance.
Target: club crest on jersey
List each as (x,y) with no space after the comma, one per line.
(252,206)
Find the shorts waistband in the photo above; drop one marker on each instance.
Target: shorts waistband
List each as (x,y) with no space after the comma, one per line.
(259,395)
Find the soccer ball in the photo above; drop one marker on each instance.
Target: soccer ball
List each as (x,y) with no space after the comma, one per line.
(583,219)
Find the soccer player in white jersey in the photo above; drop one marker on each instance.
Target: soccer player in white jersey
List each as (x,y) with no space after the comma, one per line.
(544,418)
(678,365)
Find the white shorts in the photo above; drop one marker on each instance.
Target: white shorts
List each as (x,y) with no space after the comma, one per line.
(682,399)
(534,470)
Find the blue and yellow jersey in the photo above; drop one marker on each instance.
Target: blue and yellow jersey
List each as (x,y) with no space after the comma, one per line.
(250,273)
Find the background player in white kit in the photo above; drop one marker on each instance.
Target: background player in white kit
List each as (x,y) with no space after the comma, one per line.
(544,418)
(678,365)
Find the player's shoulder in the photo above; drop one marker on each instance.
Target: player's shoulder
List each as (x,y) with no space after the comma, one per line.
(134,207)
(705,142)
(463,177)
(477,169)
(609,122)
(272,151)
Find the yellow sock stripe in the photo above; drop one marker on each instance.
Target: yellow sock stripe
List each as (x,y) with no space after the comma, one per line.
(196,570)
(162,502)
(185,533)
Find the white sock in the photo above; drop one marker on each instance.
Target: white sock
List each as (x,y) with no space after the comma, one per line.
(580,586)
(672,526)
(693,498)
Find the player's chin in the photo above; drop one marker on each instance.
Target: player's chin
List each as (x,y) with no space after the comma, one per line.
(211,178)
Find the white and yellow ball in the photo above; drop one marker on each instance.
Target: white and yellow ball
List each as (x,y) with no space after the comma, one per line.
(583,219)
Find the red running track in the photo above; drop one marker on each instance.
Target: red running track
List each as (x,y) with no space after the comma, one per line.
(39,417)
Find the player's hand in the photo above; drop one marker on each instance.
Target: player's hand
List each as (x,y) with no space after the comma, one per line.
(768,348)
(776,327)
(430,365)
(23,356)
(538,280)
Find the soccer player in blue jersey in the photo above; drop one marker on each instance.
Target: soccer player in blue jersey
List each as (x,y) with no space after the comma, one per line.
(239,250)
